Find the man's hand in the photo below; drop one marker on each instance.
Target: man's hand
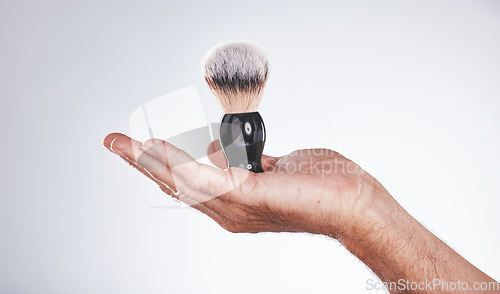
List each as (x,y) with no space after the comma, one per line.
(316,191)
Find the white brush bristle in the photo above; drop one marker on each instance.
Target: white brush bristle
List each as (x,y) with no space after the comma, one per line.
(236,73)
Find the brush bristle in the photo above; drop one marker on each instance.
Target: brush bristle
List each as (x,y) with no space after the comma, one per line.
(236,73)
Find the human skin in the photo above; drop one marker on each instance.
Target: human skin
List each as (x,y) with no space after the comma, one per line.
(316,191)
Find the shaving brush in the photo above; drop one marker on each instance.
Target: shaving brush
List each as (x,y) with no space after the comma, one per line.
(236,74)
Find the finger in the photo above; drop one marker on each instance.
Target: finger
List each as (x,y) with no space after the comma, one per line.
(166,153)
(132,151)
(195,176)
(196,182)
(107,142)
(166,189)
(209,208)
(109,139)
(216,155)
(145,158)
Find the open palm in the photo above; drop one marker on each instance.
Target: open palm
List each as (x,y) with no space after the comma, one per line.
(312,190)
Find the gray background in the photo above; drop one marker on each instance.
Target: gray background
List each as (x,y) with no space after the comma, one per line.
(408,89)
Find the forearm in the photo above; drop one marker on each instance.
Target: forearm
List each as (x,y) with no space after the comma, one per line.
(405,255)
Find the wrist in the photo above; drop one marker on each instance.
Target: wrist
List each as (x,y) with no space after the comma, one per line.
(369,211)
(384,236)
(376,224)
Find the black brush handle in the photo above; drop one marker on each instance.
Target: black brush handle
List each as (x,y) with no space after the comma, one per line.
(242,137)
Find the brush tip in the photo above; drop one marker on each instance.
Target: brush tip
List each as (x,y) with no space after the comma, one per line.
(236,72)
